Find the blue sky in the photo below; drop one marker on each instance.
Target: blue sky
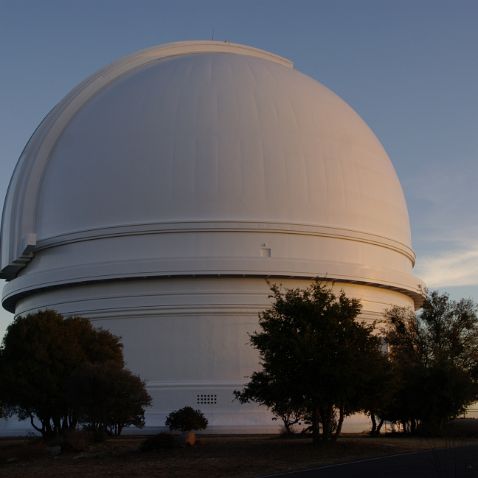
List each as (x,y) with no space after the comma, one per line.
(409,67)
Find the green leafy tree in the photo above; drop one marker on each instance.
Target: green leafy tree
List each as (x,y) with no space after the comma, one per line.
(434,357)
(39,355)
(315,357)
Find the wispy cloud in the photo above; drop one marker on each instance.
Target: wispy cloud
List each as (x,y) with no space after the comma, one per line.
(451,267)
(444,220)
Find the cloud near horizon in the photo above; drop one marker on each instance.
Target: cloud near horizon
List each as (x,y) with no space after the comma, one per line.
(451,268)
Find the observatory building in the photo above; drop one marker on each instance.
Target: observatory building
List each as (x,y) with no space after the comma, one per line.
(161,195)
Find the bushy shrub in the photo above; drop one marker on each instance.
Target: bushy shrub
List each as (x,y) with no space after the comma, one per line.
(186,419)
(161,441)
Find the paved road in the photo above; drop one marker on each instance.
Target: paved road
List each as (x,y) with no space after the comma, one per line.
(444,463)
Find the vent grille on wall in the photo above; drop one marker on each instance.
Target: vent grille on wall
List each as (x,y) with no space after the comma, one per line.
(206,399)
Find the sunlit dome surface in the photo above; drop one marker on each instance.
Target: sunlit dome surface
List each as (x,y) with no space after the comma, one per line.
(214,137)
(217,136)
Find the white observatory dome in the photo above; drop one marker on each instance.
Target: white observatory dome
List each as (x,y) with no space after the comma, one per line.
(195,171)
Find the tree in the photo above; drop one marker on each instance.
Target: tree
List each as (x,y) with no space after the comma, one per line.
(315,357)
(450,330)
(276,396)
(434,357)
(406,354)
(39,355)
(377,391)
(107,398)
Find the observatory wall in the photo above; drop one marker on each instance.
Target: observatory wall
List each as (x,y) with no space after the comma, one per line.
(188,337)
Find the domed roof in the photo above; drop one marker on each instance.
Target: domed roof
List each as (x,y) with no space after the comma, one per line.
(201,133)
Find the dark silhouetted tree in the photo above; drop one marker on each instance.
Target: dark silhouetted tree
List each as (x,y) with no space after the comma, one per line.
(434,357)
(40,354)
(107,398)
(315,358)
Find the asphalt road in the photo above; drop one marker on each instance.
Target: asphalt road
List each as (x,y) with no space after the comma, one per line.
(439,463)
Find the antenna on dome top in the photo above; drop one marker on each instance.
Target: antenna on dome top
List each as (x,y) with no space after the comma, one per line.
(212,33)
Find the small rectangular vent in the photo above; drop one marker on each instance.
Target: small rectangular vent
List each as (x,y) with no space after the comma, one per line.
(266,252)
(206,399)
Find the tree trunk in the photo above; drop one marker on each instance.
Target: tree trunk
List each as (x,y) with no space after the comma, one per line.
(315,426)
(380,424)
(286,423)
(326,420)
(38,429)
(413,426)
(339,423)
(57,426)
(373,431)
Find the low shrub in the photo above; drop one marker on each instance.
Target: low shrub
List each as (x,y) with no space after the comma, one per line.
(186,419)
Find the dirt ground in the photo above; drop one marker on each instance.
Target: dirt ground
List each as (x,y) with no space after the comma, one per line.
(214,456)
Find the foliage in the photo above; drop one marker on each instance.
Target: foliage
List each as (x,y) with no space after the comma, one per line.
(4,411)
(376,391)
(107,397)
(434,357)
(266,391)
(315,358)
(161,441)
(40,355)
(186,419)
(450,330)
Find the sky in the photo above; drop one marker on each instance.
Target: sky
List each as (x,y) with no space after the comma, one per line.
(408,67)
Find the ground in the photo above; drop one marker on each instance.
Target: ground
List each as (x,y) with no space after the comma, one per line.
(214,456)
